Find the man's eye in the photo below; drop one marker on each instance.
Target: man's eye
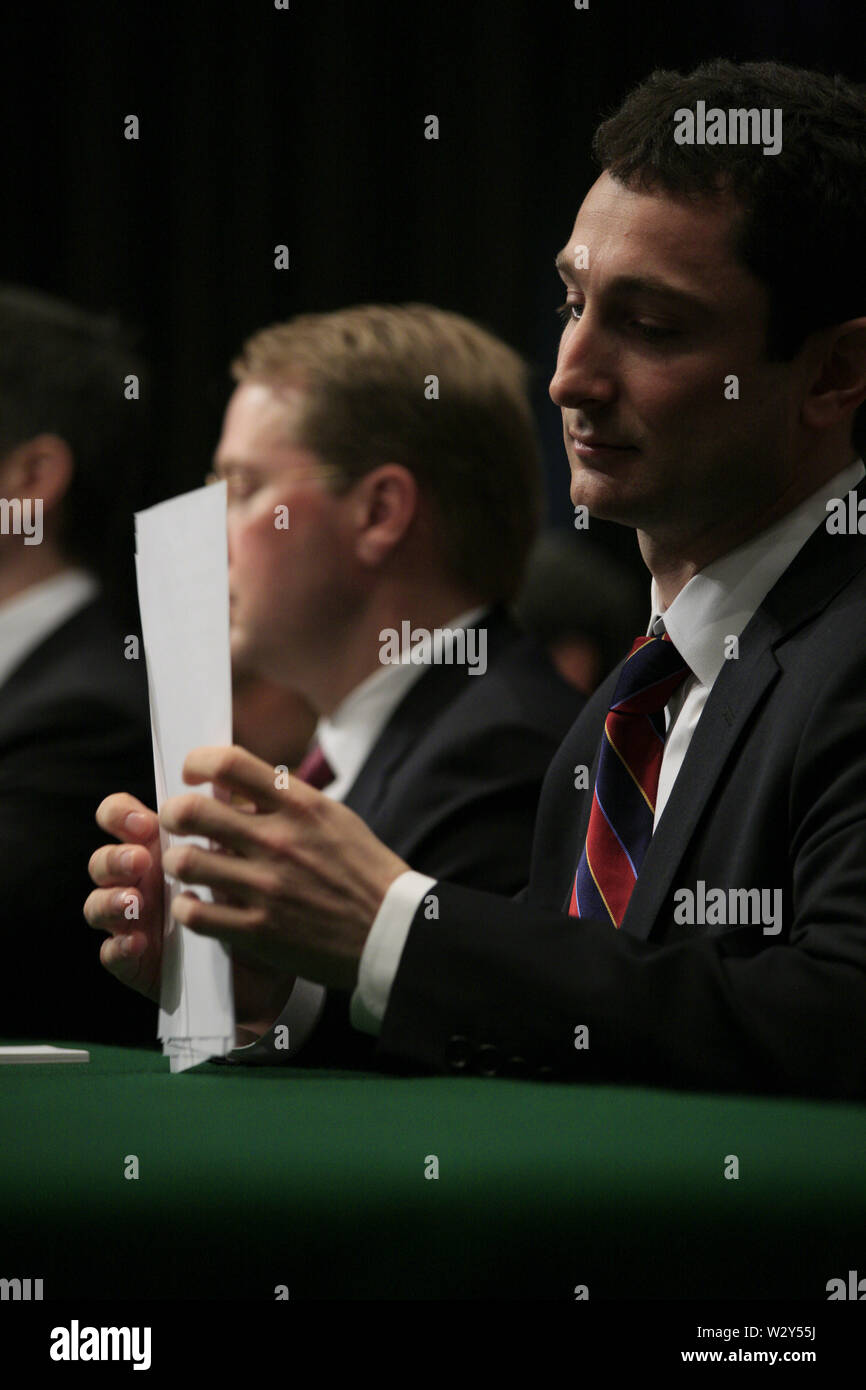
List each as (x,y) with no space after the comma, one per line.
(565,314)
(570,312)
(653,331)
(239,486)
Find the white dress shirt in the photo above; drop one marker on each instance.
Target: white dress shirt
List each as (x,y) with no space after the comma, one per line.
(716,604)
(29,617)
(346,738)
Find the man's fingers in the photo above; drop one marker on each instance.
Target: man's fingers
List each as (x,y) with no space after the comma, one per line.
(236,771)
(235,927)
(124,949)
(239,876)
(114,813)
(116,865)
(106,908)
(191,814)
(248,781)
(229,924)
(124,957)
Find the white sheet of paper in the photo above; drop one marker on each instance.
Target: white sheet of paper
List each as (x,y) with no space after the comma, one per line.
(182,568)
(43,1052)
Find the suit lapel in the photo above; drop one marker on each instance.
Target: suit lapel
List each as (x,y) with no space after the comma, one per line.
(439,685)
(823,566)
(424,703)
(604,696)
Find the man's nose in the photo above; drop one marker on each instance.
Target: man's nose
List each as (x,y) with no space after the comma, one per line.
(584,365)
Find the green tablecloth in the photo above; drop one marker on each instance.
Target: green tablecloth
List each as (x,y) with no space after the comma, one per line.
(253,1178)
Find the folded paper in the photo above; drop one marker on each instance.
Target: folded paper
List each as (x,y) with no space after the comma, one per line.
(182,569)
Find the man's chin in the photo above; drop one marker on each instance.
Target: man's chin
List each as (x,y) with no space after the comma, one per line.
(250,664)
(605,506)
(624,492)
(244,659)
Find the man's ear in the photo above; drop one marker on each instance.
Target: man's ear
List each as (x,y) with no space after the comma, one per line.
(386,504)
(839,382)
(42,467)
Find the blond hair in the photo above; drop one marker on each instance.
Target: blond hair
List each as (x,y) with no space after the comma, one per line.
(368,399)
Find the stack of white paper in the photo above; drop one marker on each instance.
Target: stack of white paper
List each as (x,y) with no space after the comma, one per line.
(182,568)
(42,1052)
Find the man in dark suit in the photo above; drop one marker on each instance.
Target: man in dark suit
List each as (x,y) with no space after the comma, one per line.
(73,707)
(410,510)
(73,721)
(696,908)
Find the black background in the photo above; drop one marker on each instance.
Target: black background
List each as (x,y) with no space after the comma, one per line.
(306,127)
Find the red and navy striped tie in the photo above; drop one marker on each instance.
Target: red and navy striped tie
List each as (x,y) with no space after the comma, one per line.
(626,785)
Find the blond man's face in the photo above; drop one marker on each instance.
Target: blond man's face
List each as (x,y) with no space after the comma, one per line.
(287,587)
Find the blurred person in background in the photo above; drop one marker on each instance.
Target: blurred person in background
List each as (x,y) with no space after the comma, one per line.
(582,604)
(73,698)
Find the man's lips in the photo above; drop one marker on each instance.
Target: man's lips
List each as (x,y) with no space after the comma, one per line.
(592,446)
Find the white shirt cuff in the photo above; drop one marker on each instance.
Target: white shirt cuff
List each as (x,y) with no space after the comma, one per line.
(299,1017)
(383,948)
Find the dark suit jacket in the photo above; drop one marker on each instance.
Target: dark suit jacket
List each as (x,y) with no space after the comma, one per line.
(772,794)
(453,781)
(73,728)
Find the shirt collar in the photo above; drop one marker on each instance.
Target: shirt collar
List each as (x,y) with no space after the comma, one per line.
(347,736)
(720,601)
(28,618)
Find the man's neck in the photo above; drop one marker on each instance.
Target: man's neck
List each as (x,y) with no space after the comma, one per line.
(33,567)
(358,656)
(674,560)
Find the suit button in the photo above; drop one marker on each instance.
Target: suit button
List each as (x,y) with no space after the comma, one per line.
(458,1053)
(489,1060)
(543,1073)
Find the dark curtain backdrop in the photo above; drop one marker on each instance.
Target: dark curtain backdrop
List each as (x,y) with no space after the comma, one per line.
(305,127)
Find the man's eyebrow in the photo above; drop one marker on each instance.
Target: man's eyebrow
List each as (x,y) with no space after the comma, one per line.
(220,466)
(641,284)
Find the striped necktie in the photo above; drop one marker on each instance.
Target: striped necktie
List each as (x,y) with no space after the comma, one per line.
(623,802)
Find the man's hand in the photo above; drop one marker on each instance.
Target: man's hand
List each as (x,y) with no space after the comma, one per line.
(126,874)
(133,950)
(298,880)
